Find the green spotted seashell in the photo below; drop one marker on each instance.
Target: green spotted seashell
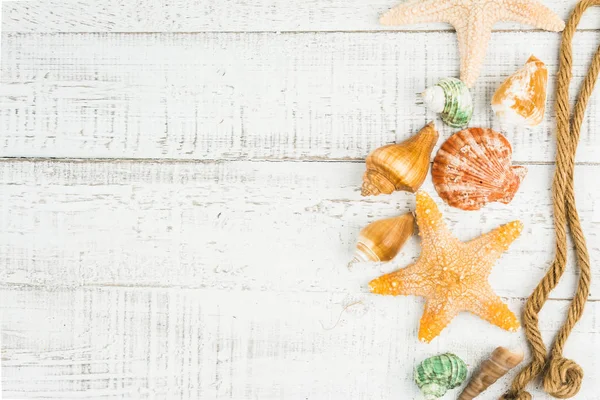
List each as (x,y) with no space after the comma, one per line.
(452,99)
(438,374)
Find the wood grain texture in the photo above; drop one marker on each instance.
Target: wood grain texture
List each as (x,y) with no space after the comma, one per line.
(207,266)
(284,227)
(261,96)
(212,344)
(218,15)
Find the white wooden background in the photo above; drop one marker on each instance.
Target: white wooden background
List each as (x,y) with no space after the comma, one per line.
(179,198)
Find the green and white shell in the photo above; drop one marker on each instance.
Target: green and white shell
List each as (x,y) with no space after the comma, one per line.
(438,374)
(452,99)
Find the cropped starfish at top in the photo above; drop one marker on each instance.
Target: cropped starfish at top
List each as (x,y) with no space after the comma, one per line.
(451,275)
(473,21)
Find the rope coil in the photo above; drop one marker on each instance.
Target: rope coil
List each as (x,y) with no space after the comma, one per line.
(562,377)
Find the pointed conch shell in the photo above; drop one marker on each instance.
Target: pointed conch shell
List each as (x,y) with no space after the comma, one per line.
(438,374)
(382,240)
(401,166)
(521,99)
(500,362)
(473,168)
(451,98)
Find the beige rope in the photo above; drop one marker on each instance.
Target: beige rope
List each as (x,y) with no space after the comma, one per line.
(562,377)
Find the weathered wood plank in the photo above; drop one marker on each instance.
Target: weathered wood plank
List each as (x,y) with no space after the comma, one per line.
(235,271)
(218,15)
(242,226)
(210,344)
(260,96)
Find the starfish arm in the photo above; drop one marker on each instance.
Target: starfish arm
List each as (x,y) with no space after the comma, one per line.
(404,282)
(473,37)
(489,247)
(436,239)
(418,11)
(429,217)
(488,306)
(436,317)
(532,12)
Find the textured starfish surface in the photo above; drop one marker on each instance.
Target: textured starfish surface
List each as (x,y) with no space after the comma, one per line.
(473,21)
(451,275)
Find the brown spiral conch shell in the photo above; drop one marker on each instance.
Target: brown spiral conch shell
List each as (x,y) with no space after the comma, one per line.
(401,166)
(473,168)
(521,99)
(382,240)
(495,367)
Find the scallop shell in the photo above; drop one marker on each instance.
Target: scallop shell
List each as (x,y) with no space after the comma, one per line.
(452,99)
(521,99)
(473,168)
(438,374)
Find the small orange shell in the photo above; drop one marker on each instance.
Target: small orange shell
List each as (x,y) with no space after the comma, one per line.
(400,166)
(473,168)
(382,240)
(521,99)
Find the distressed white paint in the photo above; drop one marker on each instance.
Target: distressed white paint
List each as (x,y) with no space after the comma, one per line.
(254,95)
(220,16)
(209,279)
(241,226)
(1,26)
(214,344)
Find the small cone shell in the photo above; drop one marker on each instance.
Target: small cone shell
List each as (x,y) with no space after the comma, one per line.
(521,99)
(401,166)
(474,167)
(382,240)
(500,362)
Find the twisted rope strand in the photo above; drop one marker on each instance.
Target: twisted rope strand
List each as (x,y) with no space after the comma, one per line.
(562,376)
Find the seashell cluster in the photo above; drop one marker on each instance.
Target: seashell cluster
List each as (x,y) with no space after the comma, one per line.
(451,98)
(521,99)
(438,374)
(495,367)
(382,240)
(401,166)
(473,168)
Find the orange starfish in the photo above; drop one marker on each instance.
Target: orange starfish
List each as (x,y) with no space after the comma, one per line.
(450,274)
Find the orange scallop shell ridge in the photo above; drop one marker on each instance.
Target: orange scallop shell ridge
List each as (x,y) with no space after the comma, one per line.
(521,99)
(474,167)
